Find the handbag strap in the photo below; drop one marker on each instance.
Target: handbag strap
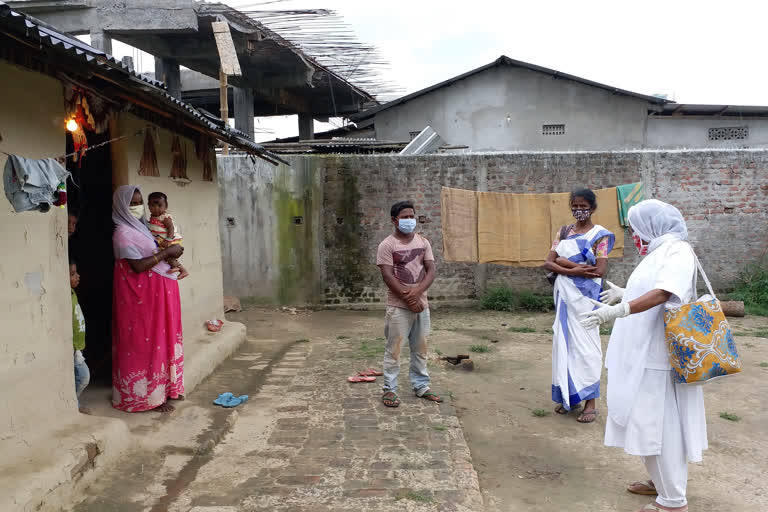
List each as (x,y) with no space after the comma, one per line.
(703,274)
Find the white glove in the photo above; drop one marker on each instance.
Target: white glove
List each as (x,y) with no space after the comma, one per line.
(612,295)
(604,314)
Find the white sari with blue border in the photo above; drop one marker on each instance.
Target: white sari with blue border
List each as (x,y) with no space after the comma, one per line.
(576,351)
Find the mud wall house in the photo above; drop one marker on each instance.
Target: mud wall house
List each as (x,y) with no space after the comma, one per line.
(509,105)
(150,139)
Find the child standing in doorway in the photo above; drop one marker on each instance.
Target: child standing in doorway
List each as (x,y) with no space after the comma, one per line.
(82,373)
(162,226)
(408,268)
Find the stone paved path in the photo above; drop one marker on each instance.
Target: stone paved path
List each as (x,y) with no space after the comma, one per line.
(332,446)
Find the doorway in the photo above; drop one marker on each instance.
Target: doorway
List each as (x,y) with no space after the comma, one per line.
(89,192)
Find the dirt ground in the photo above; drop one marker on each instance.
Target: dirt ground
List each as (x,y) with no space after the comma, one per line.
(551,463)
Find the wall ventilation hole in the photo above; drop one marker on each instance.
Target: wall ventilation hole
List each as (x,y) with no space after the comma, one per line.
(553,129)
(231,222)
(422,219)
(339,220)
(729,133)
(298,221)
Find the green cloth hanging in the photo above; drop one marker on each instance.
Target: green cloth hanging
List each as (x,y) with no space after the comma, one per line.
(628,196)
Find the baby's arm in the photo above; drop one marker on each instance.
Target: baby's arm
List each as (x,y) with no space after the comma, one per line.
(168,223)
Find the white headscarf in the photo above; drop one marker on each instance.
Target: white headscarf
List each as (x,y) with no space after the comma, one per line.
(121,213)
(657,222)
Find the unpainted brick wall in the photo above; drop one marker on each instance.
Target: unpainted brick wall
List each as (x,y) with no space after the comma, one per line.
(722,194)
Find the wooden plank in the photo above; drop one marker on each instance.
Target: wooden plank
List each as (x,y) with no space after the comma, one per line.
(224,105)
(227,53)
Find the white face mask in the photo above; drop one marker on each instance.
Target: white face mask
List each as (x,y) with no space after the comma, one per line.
(137,211)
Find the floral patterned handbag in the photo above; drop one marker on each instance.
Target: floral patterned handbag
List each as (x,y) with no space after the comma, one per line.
(699,340)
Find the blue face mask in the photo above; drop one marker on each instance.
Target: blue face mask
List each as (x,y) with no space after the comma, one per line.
(406,226)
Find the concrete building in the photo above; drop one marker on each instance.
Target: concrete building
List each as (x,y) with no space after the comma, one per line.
(510,105)
(45,442)
(278,78)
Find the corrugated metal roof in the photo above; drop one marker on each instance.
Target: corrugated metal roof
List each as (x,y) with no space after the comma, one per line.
(505,61)
(39,32)
(727,111)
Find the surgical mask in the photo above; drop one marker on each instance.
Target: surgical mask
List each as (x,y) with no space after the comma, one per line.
(137,211)
(406,226)
(581,215)
(642,245)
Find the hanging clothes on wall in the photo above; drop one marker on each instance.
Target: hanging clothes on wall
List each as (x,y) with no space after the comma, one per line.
(628,196)
(32,184)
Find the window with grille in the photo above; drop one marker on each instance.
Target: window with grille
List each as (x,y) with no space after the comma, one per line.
(553,129)
(729,133)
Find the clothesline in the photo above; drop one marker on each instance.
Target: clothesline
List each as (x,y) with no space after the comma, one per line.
(100,144)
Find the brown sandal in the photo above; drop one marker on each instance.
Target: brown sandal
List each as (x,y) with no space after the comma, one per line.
(587,412)
(643,488)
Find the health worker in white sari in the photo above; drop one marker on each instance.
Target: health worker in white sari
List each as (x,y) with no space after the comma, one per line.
(579,258)
(649,414)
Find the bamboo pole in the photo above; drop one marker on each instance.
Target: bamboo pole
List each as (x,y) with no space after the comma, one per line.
(224,105)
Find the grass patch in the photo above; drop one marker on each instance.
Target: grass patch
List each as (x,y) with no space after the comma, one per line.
(440,428)
(549,331)
(752,287)
(438,352)
(522,329)
(480,349)
(415,496)
(342,337)
(763,365)
(760,333)
(504,298)
(371,348)
(729,416)
(540,413)
(302,340)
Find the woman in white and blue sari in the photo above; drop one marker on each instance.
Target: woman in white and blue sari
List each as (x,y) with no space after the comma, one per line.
(579,258)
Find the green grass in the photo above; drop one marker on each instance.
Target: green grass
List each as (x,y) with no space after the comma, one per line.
(540,413)
(371,348)
(760,333)
(438,352)
(302,340)
(480,349)
(763,365)
(504,298)
(415,496)
(752,287)
(729,416)
(440,428)
(522,329)
(342,337)
(549,331)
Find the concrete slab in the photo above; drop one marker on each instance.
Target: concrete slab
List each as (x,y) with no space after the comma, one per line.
(47,470)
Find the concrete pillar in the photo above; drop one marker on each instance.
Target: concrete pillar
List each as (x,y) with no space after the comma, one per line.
(306,127)
(243,99)
(101,41)
(168,71)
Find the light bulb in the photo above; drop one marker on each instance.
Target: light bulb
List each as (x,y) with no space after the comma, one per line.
(72,125)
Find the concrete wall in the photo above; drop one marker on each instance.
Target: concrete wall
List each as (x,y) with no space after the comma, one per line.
(194,207)
(270,223)
(36,376)
(504,109)
(666,132)
(723,195)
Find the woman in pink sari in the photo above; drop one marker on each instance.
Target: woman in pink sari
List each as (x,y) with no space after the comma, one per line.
(147,352)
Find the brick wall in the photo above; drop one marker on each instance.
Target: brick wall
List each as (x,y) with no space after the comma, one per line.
(723,195)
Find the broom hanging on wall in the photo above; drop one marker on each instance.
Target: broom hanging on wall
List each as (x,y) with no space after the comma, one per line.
(148,163)
(179,163)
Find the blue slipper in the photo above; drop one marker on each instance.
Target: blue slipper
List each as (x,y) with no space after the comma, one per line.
(223,398)
(235,401)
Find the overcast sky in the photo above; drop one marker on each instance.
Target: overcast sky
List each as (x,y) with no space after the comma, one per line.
(694,51)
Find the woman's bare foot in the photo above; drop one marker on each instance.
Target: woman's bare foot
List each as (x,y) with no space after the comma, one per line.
(165,408)
(589,414)
(180,398)
(85,410)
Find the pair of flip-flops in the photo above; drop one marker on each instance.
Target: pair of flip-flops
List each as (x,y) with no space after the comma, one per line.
(368,375)
(229,400)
